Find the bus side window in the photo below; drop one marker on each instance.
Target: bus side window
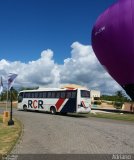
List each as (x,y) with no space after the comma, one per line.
(49,94)
(57,95)
(29,95)
(44,94)
(85,93)
(32,95)
(40,95)
(24,95)
(53,94)
(36,95)
(73,94)
(62,95)
(68,94)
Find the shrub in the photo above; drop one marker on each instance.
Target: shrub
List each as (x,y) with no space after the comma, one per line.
(118,105)
(97,102)
(96,98)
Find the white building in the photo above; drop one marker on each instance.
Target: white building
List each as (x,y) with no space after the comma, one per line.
(94,94)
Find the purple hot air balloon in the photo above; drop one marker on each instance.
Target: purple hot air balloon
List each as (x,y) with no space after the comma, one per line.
(113,43)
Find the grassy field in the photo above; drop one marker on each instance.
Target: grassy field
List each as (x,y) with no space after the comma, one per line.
(115,116)
(8,136)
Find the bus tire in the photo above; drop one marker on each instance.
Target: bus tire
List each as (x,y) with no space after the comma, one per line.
(25,108)
(53,110)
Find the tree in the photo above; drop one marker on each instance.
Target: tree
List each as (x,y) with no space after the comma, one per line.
(121,96)
(3,96)
(14,94)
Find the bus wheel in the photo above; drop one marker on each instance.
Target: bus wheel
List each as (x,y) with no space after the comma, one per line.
(25,108)
(53,110)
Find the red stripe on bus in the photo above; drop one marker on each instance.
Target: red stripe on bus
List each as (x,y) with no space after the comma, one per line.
(83,104)
(59,103)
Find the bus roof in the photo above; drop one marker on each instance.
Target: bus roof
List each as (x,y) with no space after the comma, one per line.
(47,89)
(52,89)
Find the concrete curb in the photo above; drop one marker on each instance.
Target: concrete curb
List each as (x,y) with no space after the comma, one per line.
(112,110)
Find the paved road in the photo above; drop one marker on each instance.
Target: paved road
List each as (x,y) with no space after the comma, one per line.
(46,133)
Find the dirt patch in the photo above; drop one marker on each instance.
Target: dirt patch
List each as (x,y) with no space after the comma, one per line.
(106,106)
(14,104)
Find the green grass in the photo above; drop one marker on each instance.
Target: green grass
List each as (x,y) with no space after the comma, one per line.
(115,116)
(9,136)
(1,119)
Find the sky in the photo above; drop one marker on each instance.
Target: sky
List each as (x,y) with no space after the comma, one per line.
(48,43)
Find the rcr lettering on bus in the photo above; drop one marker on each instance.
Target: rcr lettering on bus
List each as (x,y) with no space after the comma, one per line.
(35,104)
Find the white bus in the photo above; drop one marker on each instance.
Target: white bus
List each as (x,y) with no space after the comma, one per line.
(55,100)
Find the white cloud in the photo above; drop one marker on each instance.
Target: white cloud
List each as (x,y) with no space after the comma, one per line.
(41,72)
(81,68)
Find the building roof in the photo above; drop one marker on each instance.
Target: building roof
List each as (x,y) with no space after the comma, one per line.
(73,86)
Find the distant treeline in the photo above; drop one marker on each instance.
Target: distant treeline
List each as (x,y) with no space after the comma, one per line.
(119,96)
(3,96)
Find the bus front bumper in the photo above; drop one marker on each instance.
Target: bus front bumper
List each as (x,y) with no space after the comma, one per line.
(83,110)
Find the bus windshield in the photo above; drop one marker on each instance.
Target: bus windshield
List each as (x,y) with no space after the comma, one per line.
(85,94)
(20,97)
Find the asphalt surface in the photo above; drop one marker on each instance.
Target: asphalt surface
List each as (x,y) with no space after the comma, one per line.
(55,134)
